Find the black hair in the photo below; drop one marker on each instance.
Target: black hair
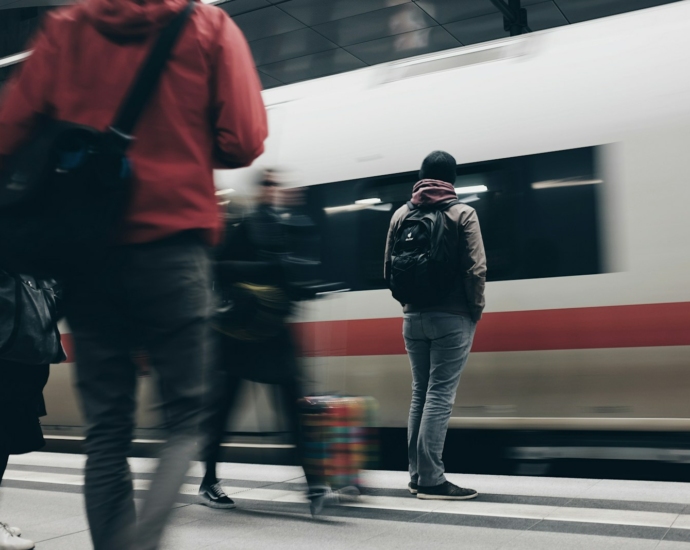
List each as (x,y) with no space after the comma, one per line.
(268,179)
(438,165)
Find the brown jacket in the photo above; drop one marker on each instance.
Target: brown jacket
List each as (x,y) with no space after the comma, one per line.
(468,296)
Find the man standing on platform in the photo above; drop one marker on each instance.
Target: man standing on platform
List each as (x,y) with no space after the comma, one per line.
(436,268)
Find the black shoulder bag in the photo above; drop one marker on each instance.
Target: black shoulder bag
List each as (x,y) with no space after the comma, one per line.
(252,304)
(63,194)
(28,321)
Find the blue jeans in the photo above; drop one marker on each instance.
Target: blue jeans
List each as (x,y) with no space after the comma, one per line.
(438,345)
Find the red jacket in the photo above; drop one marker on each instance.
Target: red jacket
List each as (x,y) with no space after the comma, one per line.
(207,111)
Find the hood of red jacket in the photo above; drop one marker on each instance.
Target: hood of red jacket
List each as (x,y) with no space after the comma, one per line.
(130,18)
(430,192)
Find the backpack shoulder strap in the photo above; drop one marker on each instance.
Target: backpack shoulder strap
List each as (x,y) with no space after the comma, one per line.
(148,76)
(449,204)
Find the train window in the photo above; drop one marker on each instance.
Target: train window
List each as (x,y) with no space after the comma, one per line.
(538,215)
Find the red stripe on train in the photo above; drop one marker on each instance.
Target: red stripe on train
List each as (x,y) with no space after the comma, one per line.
(68,344)
(649,325)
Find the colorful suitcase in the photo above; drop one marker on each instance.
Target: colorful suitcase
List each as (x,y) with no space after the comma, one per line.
(340,439)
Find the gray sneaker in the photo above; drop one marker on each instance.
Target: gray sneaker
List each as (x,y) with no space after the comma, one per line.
(321,497)
(348,495)
(445,491)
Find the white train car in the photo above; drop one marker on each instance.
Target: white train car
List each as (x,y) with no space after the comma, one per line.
(572,145)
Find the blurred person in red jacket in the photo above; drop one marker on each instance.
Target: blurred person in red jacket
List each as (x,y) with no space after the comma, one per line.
(153,291)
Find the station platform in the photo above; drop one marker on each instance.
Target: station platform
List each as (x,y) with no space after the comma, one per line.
(41,494)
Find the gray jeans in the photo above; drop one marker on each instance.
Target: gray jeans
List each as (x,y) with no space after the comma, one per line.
(438,345)
(154,297)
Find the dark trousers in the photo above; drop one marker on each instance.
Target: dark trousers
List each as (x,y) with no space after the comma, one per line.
(271,362)
(21,406)
(156,297)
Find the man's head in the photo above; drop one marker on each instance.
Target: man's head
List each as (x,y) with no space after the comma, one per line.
(438,165)
(268,188)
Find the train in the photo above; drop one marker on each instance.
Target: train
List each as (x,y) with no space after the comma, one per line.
(572,146)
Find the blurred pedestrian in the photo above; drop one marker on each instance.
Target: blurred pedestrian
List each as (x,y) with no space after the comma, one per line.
(29,341)
(153,289)
(436,267)
(254,341)
(21,406)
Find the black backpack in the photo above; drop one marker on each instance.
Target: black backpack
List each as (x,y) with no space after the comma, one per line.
(63,194)
(424,264)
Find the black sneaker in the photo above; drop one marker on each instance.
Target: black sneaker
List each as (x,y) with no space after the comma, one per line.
(445,491)
(213,496)
(412,487)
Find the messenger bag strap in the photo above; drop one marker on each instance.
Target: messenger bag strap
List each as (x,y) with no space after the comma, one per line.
(148,77)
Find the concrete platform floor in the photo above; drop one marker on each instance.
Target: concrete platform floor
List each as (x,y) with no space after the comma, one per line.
(42,495)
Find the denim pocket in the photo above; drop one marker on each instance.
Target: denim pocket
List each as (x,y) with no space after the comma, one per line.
(411,326)
(444,325)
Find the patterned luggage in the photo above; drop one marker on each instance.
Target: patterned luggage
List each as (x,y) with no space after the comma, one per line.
(340,439)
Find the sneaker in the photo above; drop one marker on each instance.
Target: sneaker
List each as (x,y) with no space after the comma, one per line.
(9,542)
(14,531)
(412,487)
(348,495)
(445,491)
(322,497)
(213,496)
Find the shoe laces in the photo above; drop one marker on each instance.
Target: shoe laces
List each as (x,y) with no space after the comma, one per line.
(217,490)
(6,528)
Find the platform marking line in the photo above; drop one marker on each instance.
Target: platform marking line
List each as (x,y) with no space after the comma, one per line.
(469,508)
(42,477)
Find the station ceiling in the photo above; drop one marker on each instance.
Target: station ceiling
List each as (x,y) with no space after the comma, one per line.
(296,40)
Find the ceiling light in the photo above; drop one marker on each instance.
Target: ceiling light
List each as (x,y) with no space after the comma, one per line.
(368,201)
(359,206)
(345,208)
(471,198)
(14,59)
(553,184)
(456,52)
(224,191)
(471,189)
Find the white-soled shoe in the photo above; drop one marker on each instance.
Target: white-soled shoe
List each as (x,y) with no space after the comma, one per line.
(15,531)
(9,542)
(445,491)
(213,496)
